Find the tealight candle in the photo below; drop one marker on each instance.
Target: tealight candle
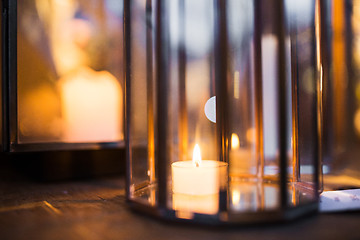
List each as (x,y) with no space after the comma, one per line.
(198,177)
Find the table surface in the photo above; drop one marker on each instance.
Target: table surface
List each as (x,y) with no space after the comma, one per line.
(96,209)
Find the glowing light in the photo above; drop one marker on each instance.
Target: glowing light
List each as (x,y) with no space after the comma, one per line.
(235,197)
(357,91)
(357,121)
(251,135)
(197,155)
(235,142)
(236,85)
(91,106)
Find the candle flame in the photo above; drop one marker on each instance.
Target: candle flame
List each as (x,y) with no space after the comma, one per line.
(235,142)
(197,155)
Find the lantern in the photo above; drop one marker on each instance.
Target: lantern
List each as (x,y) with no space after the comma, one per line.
(340,96)
(221,113)
(62,77)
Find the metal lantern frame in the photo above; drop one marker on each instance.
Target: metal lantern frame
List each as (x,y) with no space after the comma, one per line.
(10,122)
(44,160)
(162,155)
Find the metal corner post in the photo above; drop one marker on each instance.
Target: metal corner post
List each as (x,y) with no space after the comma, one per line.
(221,88)
(162,89)
(9,75)
(127,76)
(221,81)
(279,17)
(258,86)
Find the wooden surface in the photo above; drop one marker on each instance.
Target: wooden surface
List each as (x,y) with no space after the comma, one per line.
(96,209)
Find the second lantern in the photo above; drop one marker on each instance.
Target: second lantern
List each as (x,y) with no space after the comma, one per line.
(213,127)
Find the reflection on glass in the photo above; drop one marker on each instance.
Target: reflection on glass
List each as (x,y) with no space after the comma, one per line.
(255,196)
(341,115)
(243,129)
(70,71)
(187,204)
(241,159)
(302,49)
(145,195)
(270,109)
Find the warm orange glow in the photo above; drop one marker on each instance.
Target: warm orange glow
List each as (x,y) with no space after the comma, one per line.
(197,155)
(235,197)
(357,121)
(356,30)
(339,68)
(236,85)
(39,118)
(91,106)
(251,135)
(67,35)
(235,142)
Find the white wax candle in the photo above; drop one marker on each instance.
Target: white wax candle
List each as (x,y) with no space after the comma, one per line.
(202,180)
(196,185)
(91,107)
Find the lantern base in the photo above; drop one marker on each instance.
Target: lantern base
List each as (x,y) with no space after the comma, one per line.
(66,165)
(225,219)
(243,203)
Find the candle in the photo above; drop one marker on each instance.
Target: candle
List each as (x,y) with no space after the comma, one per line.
(198,177)
(196,184)
(91,107)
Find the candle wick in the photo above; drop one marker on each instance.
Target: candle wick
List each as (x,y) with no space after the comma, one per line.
(197,164)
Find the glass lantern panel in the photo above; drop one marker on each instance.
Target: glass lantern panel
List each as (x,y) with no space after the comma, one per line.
(353,166)
(269,106)
(341,98)
(70,75)
(243,157)
(194,169)
(252,111)
(304,73)
(141,117)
